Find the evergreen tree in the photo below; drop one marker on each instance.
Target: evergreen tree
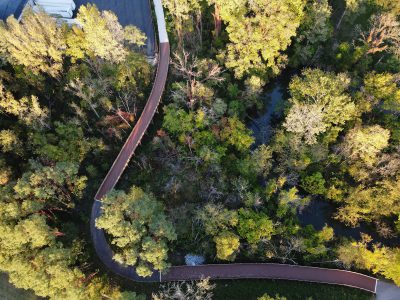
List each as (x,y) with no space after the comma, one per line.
(138,228)
(66,144)
(363,144)
(37,42)
(259,32)
(30,251)
(100,35)
(227,244)
(313,32)
(254,226)
(320,103)
(26,109)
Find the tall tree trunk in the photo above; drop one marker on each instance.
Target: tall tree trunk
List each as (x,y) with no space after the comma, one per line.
(217,21)
(199,28)
(118,113)
(180,38)
(341,19)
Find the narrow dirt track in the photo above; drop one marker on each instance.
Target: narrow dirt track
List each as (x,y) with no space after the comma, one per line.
(179,273)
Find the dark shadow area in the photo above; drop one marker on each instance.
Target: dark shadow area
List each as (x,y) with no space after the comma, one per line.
(11,7)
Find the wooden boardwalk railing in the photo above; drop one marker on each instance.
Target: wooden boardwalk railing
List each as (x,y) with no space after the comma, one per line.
(179,273)
(272,271)
(149,110)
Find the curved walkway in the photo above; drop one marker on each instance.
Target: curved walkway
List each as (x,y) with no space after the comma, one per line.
(222,271)
(101,246)
(272,271)
(149,110)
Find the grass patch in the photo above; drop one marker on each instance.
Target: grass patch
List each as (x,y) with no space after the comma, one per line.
(253,288)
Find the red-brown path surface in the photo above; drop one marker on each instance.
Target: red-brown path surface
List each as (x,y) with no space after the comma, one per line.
(178,273)
(272,271)
(140,128)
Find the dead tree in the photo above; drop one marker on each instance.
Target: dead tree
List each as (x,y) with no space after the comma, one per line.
(383,35)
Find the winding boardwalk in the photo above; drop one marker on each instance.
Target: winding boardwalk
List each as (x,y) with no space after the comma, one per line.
(272,271)
(220,271)
(149,110)
(102,248)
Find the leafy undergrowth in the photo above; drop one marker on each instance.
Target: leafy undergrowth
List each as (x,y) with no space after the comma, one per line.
(252,289)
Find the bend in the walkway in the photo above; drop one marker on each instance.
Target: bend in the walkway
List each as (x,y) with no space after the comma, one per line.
(100,243)
(387,290)
(229,271)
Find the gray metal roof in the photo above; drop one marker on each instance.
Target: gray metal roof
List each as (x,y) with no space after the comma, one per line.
(11,7)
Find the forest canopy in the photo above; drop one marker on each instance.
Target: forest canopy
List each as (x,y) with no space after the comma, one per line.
(228,170)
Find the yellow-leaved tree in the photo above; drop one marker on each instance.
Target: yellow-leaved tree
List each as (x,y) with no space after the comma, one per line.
(37,42)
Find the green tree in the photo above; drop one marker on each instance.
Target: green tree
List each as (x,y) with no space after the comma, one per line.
(193,130)
(54,185)
(30,250)
(365,143)
(100,287)
(380,260)
(320,103)
(100,35)
(268,297)
(259,163)
(254,226)
(258,33)
(26,109)
(227,244)
(371,203)
(5,172)
(314,241)
(133,76)
(262,157)
(138,228)
(397,224)
(67,143)
(177,121)
(235,133)
(314,30)
(37,42)
(181,12)
(351,57)
(353,8)
(50,273)
(289,201)
(10,142)
(390,6)
(215,218)
(381,89)
(314,184)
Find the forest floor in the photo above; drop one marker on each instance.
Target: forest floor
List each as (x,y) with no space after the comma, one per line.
(292,290)
(251,289)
